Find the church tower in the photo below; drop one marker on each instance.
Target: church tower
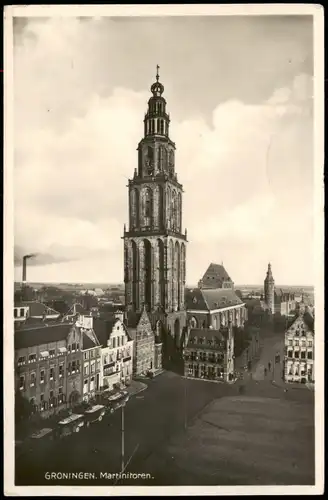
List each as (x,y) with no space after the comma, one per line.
(154,244)
(269,290)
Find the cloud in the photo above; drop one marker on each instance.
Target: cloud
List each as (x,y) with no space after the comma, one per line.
(247,172)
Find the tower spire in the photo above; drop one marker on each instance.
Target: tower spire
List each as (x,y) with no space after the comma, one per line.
(157,73)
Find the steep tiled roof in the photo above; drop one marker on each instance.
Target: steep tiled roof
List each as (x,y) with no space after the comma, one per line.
(29,337)
(219,298)
(215,275)
(37,308)
(309,320)
(103,329)
(194,299)
(210,299)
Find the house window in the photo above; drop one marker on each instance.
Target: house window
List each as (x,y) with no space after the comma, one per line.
(73,366)
(77,347)
(73,347)
(77,365)
(303,355)
(32,379)
(21,382)
(93,366)
(15,313)
(52,373)
(32,401)
(85,386)
(51,395)
(297,354)
(190,370)
(21,360)
(114,343)
(52,353)
(98,365)
(297,343)
(310,343)
(303,343)
(85,355)
(42,401)
(310,355)
(290,342)
(105,359)
(42,377)
(61,370)
(290,354)
(86,370)
(92,353)
(32,358)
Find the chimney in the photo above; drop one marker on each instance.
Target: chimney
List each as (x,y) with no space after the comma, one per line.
(119,315)
(24,270)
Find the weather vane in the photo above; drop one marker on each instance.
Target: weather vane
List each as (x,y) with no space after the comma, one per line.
(157,75)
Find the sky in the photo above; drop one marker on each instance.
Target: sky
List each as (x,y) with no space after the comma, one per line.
(240,95)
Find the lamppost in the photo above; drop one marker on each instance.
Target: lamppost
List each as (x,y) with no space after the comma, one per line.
(122,439)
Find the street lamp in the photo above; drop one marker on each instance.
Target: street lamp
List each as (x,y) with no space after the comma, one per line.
(122,440)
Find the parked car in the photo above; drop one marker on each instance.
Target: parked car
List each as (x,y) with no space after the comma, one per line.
(94,414)
(69,425)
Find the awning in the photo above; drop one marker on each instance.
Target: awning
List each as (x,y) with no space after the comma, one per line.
(44,354)
(62,349)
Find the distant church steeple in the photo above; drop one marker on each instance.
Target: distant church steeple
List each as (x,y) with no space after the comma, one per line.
(269,289)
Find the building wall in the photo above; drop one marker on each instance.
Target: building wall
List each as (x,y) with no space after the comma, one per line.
(45,378)
(117,358)
(74,366)
(91,380)
(202,362)
(299,353)
(216,319)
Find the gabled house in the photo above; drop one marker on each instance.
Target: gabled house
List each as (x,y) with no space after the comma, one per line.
(299,349)
(116,352)
(147,350)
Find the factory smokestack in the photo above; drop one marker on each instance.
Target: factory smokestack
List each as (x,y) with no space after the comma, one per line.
(29,256)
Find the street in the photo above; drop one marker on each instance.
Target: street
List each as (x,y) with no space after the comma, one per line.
(165,413)
(150,419)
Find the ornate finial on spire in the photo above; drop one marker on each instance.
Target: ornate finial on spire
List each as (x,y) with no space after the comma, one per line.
(157,74)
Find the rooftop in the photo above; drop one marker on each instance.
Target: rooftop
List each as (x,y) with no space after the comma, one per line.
(210,299)
(40,335)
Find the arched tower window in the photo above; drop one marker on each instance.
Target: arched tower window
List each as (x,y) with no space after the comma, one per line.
(183,262)
(168,207)
(179,213)
(173,214)
(148,273)
(161,281)
(135,275)
(177,282)
(147,206)
(134,208)
(193,322)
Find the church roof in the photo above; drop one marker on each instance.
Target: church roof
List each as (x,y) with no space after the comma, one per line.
(215,275)
(210,299)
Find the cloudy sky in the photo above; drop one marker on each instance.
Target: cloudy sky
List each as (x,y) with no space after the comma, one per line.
(239,91)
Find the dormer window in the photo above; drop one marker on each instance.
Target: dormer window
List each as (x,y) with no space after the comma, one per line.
(194,300)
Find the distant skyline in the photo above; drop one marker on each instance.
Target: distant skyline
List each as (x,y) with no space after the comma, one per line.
(240,94)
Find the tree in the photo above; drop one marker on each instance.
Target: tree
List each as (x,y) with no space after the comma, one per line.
(23,408)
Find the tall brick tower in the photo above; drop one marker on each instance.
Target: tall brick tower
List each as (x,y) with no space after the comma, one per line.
(154,245)
(269,290)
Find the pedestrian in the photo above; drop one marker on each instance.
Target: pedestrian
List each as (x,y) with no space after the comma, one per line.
(269,366)
(265,372)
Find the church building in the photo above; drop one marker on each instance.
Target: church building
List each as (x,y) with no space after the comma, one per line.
(154,242)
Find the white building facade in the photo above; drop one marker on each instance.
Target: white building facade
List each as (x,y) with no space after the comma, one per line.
(299,351)
(117,357)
